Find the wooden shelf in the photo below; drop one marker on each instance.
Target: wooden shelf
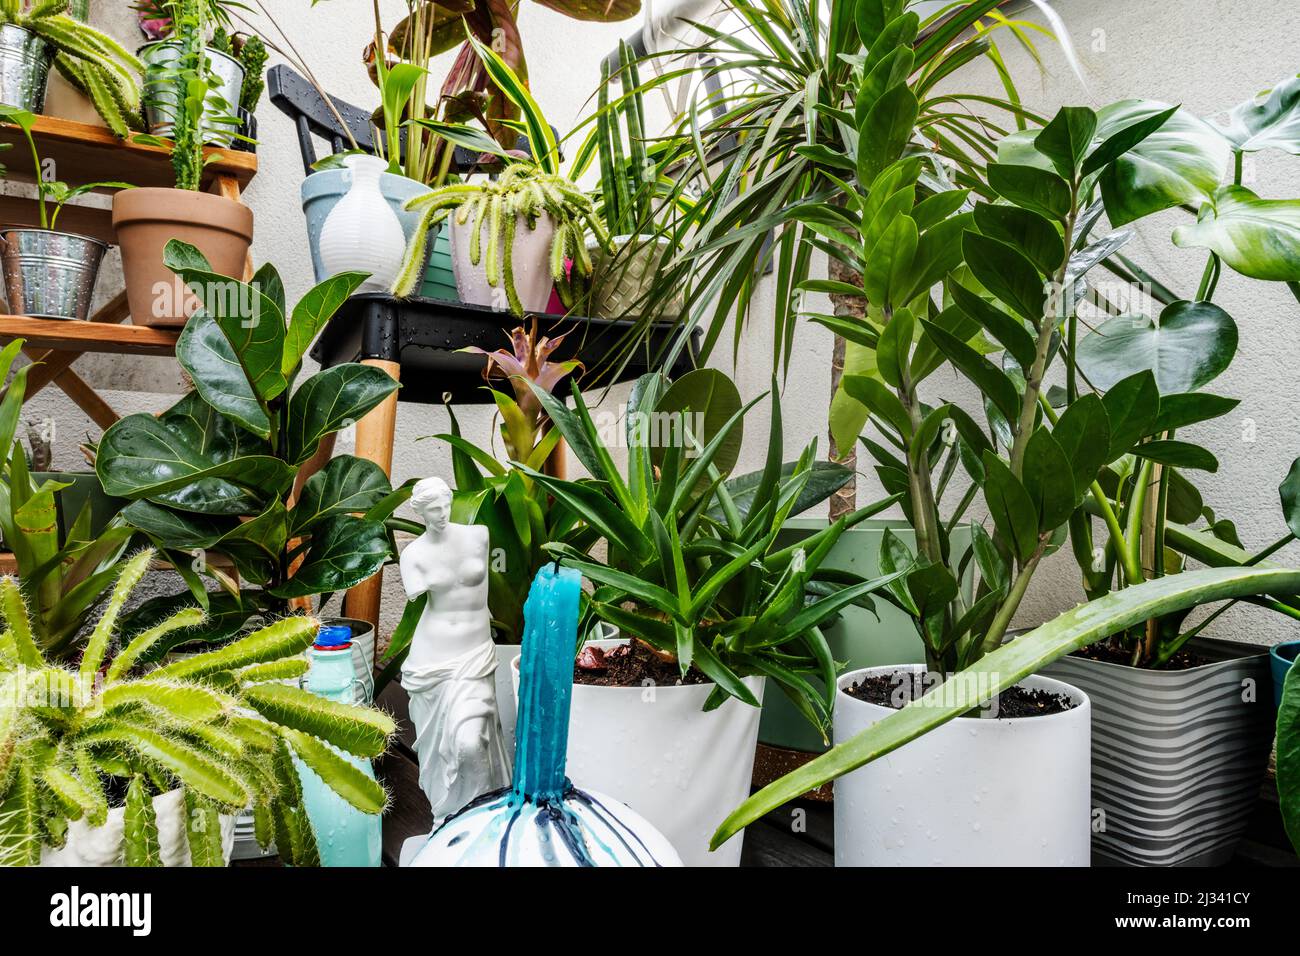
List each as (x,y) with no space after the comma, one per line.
(86,154)
(64,335)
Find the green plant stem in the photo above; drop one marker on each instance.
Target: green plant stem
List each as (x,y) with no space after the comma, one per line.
(1273,548)
(1209,279)
(1002,620)
(1136,511)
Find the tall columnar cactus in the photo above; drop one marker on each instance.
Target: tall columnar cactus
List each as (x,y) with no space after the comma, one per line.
(221,725)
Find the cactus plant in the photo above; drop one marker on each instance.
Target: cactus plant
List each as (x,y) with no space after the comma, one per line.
(219,725)
(92,61)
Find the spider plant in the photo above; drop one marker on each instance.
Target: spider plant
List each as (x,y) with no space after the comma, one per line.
(95,63)
(222,726)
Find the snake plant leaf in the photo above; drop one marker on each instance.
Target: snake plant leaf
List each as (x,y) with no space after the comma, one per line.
(1180,163)
(329,401)
(1288,755)
(312,313)
(1006,272)
(345,550)
(206,355)
(1271,122)
(1013,510)
(1259,238)
(346,485)
(1002,668)
(358,730)
(140,457)
(1187,349)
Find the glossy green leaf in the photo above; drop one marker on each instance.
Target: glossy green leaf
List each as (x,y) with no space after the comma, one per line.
(1116,143)
(1288,755)
(1005,272)
(312,313)
(884,132)
(1048,478)
(1012,509)
(701,401)
(346,485)
(1189,347)
(894,351)
(1083,434)
(345,550)
(1259,238)
(1008,331)
(1270,122)
(205,353)
(329,401)
(876,397)
(1180,454)
(991,380)
(1132,406)
(1033,235)
(1035,189)
(1066,139)
(1180,410)
(1289,491)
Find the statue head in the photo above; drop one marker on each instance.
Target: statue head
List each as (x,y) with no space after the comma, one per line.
(431,499)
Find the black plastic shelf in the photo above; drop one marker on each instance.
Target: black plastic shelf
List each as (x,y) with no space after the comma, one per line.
(423,336)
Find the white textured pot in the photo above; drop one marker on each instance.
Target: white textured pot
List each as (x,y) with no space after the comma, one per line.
(657,750)
(530,265)
(621,281)
(102,846)
(362,233)
(976,791)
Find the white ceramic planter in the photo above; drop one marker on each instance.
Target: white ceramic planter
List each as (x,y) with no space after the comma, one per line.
(362,233)
(102,846)
(657,750)
(531,265)
(622,280)
(974,792)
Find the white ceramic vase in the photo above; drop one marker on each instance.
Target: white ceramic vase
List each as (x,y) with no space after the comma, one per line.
(102,846)
(657,750)
(362,233)
(976,791)
(530,265)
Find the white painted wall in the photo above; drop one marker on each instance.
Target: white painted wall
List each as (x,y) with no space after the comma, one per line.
(1205,54)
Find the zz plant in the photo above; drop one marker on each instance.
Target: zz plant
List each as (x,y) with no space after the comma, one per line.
(95,63)
(222,726)
(218,471)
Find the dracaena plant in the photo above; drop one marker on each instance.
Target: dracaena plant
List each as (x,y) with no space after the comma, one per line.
(222,726)
(693,564)
(1039,468)
(217,473)
(92,61)
(63,575)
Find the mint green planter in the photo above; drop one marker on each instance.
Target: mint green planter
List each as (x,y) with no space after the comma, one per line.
(857,637)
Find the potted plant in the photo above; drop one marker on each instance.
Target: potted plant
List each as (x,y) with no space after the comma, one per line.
(109,763)
(35,35)
(1026,252)
(146,220)
(1288,755)
(243,435)
(250,50)
(709,606)
(515,238)
(50,274)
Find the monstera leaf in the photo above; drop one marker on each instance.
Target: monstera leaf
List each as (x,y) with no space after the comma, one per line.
(1259,238)
(1272,122)
(1191,344)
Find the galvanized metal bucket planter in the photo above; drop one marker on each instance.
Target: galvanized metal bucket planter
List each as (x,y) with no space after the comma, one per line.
(50,275)
(162,94)
(24,68)
(1177,756)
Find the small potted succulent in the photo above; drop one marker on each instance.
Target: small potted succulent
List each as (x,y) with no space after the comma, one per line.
(50,274)
(110,762)
(36,35)
(145,220)
(516,238)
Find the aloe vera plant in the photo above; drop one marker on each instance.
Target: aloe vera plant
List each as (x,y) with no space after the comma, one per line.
(92,61)
(223,726)
(692,564)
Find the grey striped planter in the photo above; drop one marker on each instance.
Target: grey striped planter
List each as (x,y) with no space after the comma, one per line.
(1177,756)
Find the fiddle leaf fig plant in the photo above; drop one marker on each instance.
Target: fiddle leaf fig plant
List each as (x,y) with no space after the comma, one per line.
(221,726)
(217,473)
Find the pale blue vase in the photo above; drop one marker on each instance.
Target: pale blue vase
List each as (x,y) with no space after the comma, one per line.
(344,835)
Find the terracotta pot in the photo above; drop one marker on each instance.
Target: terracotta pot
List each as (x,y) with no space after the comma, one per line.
(146,219)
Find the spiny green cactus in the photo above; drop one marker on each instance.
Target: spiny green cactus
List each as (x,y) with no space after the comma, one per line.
(103,69)
(218,725)
(523,192)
